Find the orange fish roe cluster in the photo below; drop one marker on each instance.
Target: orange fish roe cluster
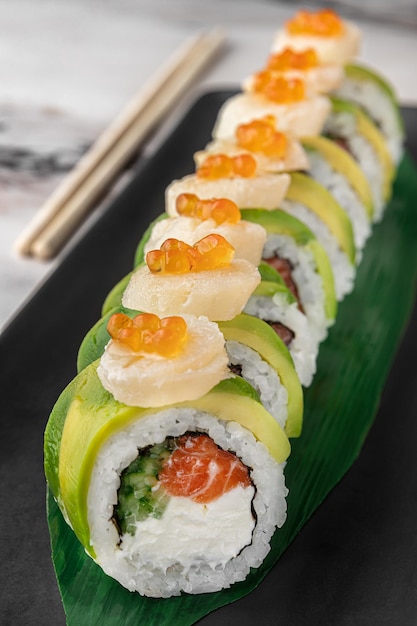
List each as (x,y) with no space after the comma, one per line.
(148,333)
(200,470)
(223,166)
(177,257)
(261,136)
(323,23)
(290,59)
(277,88)
(220,210)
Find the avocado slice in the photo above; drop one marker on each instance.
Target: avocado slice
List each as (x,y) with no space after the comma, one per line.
(86,415)
(280,222)
(341,161)
(359,72)
(371,132)
(309,192)
(259,336)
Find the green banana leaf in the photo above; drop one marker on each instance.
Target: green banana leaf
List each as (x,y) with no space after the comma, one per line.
(340,407)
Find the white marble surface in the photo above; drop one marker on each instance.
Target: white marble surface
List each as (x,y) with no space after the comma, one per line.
(68,68)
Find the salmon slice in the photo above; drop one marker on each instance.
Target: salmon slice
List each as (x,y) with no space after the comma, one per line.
(200,470)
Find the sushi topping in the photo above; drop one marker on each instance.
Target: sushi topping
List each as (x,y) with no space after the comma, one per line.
(191,466)
(147,333)
(177,257)
(200,470)
(217,166)
(290,59)
(277,88)
(322,23)
(261,136)
(221,210)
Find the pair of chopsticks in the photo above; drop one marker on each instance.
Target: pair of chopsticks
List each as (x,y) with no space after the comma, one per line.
(70,203)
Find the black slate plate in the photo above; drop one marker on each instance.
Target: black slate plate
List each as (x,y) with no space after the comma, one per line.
(328,575)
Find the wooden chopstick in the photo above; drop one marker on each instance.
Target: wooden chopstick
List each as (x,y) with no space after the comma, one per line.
(69,204)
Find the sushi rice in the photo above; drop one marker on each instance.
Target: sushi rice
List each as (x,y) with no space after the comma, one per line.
(263,378)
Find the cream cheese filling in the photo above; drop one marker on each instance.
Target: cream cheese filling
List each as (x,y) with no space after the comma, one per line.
(189,532)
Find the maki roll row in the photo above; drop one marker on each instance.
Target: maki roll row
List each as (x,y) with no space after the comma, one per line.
(166,454)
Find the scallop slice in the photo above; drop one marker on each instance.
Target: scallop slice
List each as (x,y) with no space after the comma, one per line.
(247,238)
(321,79)
(150,380)
(337,50)
(306,117)
(220,294)
(263,191)
(295,158)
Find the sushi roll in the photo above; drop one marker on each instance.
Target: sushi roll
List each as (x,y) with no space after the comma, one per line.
(274,303)
(293,250)
(335,169)
(336,41)
(273,150)
(216,177)
(303,65)
(197,218)
(316,207)
(296,111)
(350,127)
(222,293)
(178,498)
(203,279)
(255,352)
(370,90)
(308,201)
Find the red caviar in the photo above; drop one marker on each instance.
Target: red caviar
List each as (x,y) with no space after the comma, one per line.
(277,88)
(323,23)
(148,333)
(261,136)
(220,210)
(200,470)
(290,59)
(217,166)
(177,257)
